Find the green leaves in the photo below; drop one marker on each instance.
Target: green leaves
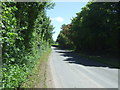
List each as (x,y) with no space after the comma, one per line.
(64,37)
(26,33)
(94,29)
(13,76)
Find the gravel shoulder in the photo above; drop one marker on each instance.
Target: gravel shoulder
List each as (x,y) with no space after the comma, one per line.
(49,76)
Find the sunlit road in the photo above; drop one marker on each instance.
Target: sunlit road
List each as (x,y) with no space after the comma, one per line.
(71,71)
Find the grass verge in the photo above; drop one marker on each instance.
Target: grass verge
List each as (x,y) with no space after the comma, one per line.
(111,62)
(38,75)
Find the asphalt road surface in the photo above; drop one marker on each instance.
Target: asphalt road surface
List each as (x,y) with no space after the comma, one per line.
(72,71)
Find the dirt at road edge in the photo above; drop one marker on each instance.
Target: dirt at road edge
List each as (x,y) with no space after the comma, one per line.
(49,78)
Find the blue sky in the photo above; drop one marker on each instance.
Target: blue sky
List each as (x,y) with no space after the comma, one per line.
(62,13)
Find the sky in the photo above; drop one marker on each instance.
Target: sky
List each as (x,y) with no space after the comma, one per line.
(62,13)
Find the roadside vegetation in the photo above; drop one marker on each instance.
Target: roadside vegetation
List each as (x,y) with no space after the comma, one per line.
(26,34)
(94,32)
(37,77)
(26,38)
(108,60)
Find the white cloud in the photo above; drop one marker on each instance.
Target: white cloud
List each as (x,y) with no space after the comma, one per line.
(58,19)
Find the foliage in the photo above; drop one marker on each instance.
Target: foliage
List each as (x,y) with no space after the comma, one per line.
(26,33)
(37,77)
(95,29)
(64,37)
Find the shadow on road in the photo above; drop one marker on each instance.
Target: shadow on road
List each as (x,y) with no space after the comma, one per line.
(77,59)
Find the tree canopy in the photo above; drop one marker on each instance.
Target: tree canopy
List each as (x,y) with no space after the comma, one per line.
(26,33)
(95,29)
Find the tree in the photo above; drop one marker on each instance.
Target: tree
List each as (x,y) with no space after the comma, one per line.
(26,33)
(64,37)
(96,28)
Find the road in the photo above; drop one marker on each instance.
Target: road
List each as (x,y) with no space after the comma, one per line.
(72,71)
